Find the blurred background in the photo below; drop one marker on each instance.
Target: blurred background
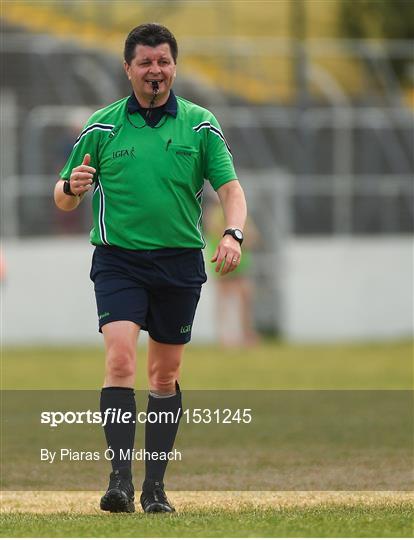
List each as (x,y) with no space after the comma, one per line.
(316,99)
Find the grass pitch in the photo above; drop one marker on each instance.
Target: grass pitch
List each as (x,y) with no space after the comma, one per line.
(211,514)
(271,365)
(220,514)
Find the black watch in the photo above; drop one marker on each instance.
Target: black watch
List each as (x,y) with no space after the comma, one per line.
(237,234)
(67,190)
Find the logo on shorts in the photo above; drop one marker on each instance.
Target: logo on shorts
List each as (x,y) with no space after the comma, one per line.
(103,315)
(123,153)
(185,329)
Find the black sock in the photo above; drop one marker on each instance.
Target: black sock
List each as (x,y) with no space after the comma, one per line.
(119,435)
(160,436)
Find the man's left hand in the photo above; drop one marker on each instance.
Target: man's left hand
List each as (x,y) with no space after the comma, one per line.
(227,255)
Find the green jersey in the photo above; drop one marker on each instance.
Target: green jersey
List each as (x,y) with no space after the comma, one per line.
(148,184)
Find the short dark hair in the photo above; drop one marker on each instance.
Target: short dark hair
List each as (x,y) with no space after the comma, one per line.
(150,34)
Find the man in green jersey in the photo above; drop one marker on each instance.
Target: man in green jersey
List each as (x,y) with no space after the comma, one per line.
(146,157)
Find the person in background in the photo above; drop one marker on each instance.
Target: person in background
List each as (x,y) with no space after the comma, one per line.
(67,223)
(3,272)
(235,290)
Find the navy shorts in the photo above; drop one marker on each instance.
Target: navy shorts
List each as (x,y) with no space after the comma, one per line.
(158,289)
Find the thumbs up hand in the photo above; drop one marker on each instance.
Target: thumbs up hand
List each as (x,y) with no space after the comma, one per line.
(82,176)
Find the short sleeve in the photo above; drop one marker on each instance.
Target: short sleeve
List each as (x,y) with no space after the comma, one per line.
(86,143)
(219,168)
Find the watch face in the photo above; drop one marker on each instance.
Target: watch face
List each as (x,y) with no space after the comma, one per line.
(239,234)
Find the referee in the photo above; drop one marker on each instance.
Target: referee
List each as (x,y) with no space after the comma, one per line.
(145,157)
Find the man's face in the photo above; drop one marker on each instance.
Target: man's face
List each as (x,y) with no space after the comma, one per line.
(151,64)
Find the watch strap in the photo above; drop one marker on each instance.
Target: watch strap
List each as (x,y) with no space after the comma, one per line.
(67,190)
(237,234)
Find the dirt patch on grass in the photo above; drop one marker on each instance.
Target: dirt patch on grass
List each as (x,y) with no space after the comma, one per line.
(81,502)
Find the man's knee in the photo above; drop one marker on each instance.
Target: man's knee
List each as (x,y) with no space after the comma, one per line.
(164,366)
(162,376)
(120,362)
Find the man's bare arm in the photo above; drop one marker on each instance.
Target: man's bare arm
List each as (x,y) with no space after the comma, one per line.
(80,182)
(234,206)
